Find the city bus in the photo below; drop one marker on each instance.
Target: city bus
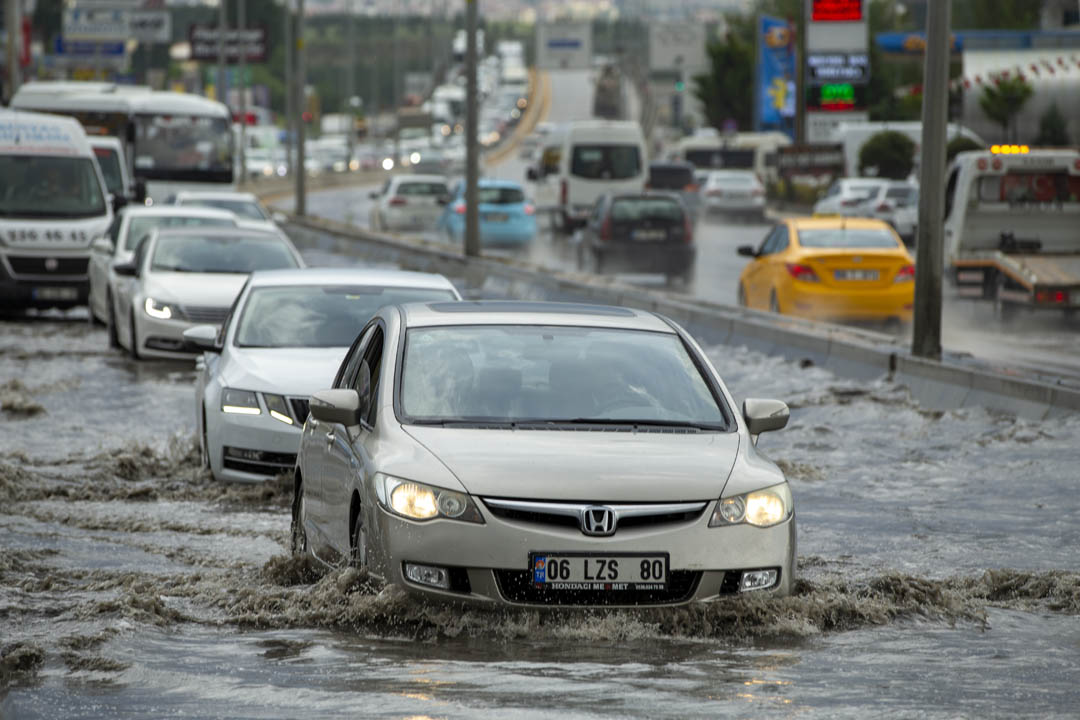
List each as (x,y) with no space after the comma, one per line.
(173,141)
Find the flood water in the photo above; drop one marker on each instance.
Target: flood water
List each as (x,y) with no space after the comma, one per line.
(937,561)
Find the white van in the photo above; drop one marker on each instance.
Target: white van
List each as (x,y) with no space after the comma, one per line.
(598,157)
(53,203)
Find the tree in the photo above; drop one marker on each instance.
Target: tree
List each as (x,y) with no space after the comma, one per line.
(890,152)
(1003,101)
(996,14)
(960,144)
(1053,129)
(727,90)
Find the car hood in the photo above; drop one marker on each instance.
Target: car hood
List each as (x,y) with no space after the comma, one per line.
(199,289)
(584,465)
(287,371)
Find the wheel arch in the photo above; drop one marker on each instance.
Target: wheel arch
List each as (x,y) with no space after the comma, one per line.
(354,513)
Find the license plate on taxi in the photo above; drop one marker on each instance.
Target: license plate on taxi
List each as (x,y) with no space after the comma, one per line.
(55,293)
(496,217)
(855,274)
(603,571)
(648,235)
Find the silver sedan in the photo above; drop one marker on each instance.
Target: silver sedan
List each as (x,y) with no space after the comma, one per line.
(542,454)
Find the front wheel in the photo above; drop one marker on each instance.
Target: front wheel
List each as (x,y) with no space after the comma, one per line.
(114,338)
(134,339)
(204,446)
(358,550)
(298,534)
(774,303)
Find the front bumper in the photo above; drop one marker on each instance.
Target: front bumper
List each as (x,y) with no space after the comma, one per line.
(250,448)
(163,338)
(44,289)
(489,563)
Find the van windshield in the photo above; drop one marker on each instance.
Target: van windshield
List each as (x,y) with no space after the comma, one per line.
(109,162)
(605,162)
(38,186)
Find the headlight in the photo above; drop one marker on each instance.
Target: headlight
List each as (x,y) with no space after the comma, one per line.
(417,501)
(239,402)
(278,408)
(158,310)
(761,508)
(414,158)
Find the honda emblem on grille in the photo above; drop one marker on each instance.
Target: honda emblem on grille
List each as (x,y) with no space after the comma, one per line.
(598,520)
(51,264)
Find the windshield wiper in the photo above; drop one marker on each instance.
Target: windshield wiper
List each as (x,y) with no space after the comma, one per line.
(634,422)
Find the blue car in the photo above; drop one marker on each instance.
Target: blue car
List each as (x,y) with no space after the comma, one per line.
(506,218)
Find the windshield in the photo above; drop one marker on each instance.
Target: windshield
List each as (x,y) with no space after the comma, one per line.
(41,186)
(245,209)
(179,147)
(499,196)
(733,180)
(318,316)
(422,188)
(109,162)
(638,209)
(605,162)
(209,254)
(140,227)
(506,373)
(847,238)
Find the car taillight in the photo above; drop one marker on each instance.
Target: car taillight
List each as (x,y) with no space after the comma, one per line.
(459,208)
(1056,297)
(564,192)
(529,210)
(715,193)
(851,201)
(757,192)
(398,200)
(905,274)
(805,273)
(605,229)
(692,187)
(884,207)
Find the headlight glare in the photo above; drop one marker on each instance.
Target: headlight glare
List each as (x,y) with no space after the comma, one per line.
(239,402)
(158,310)
(761,508)
(414,501)
(417,501)
(764,508)
(278,408)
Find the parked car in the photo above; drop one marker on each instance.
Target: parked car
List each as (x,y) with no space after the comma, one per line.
(734,192)
(284,340)
(830,269)
(519,453)
(507,218)
(676,178)
(845,194)
(188,277)
(897,203)
(408,202)
(117,246)
(648,232)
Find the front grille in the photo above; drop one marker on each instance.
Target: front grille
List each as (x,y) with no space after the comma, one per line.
(258,462)
(205,314)
(516,586)
(40,265)
(300,408)
(567,515)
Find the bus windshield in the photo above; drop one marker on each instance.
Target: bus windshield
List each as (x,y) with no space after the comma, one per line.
(183,147)
(43,186)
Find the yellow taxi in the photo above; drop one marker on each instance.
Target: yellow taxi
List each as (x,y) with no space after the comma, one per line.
(847,269)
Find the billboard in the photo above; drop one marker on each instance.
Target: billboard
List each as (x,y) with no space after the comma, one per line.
(775,75)
(836,10)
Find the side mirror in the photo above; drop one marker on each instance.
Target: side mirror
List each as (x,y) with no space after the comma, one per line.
(203,337)
(279,217)
(336,406)
(102,244)
(765,415)
(443,200)
(532,174)
(140,190)
(125,269)
(374,194)
(117,202)
(747,250)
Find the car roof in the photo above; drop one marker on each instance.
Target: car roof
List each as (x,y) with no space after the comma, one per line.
(349,276)
(217,231)
(827,223)
(497,183)
(176,211)
(521,312)
(671,166)
(215,195)
(420,178)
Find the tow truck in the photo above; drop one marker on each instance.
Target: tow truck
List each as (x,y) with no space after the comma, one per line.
(1012,227)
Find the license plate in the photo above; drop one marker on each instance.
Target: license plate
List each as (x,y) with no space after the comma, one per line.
(855,274)
(55,293)
(603,571)
(496,217)
(646,235)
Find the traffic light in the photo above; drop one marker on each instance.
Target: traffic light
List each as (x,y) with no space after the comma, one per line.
(679,86)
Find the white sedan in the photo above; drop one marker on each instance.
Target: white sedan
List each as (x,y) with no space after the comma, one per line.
(284,341)
(189,277)
(117,246)
(408,202)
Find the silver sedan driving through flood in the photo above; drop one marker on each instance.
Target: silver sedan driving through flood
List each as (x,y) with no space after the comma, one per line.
(542,454)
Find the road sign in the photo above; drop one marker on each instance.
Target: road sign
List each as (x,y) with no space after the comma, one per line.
(151,26)
(82,54)
(99,25)
(204,43)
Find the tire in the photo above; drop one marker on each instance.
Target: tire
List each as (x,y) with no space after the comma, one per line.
(204,446)
(298,541)
(110,325)
(134,339)
(358,544)
(774,304)
(740,296)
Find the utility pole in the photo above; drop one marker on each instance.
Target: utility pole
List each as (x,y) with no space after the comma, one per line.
(350,78)
(13,25)
(241,21)
(298,108)
(397,84)
(289,91)
(472,164)
(929,257)
(223,24)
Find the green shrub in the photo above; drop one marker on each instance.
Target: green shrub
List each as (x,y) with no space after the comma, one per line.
(960,144)
(892,153)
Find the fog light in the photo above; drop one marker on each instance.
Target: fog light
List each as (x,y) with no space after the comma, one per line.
(427,575)
(757,580)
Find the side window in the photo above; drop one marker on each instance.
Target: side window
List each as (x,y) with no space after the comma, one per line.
(781,243)
(950,191)
(347,371)
(372,356)
(224,329)
(140,252)
(598,210)
(768,245)
(833,190)
(386,187)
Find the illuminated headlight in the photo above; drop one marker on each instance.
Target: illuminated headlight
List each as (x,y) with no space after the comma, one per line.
(354,165)
(417,501)
(239,402)
(388,164)
(761,508)
(158,310)
(278,408)
(268,170)
(414,158)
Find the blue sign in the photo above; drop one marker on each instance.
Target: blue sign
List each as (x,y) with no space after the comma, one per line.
(82,48)
(564,43)
(775,75)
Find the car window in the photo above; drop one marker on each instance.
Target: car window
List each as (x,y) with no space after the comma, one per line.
(670,177)
(216,254)
(549,160)
(841,237)
(422,189)
(902,195)
(605,162)
(772,241)
(347,370)
(109,162)
(500,196)
(631,210)
(224,329)
(373,357)
(139,227)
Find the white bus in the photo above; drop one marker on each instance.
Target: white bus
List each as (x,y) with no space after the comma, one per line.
(174,141)
(53,203)
(742,151)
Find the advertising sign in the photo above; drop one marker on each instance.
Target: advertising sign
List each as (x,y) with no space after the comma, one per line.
(151,26)
(836,10)
(204,43)
(820,159)
(775,75)
(97,25)
(837,67)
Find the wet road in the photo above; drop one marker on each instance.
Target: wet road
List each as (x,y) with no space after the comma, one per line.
(936,553)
